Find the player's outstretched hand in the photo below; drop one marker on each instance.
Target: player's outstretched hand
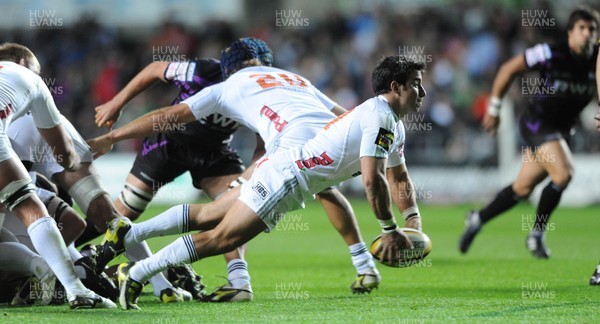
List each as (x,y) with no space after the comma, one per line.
(100,145)
(107,114)
(392,243)
(490,123)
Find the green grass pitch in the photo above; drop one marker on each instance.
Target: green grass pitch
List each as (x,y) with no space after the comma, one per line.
(302,271)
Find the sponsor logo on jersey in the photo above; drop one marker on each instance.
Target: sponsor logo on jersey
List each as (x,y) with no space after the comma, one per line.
(384,139)
(324,159)
(219,121)
(278,122)
(6,111)
(260,189)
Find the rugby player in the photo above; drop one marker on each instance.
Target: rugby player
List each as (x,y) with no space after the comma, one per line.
(268,100)
(23,91)
(85,187)
(201,147)
(300,126)
(568,69)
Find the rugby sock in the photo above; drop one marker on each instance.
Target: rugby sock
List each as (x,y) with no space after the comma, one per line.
(49,244)
(17,257)
(361,258)
(75,255)
(141,251)
(237,273)
(180,252)
(175,220)
(504,201)
(89,233)
(548,201)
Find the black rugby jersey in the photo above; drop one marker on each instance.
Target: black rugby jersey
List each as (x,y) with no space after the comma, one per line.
(566,83)
(190,77)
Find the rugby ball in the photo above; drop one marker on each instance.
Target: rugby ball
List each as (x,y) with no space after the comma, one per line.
(422,247)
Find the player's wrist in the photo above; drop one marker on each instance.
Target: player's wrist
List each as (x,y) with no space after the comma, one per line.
(388,225)
(411,212)
(494,106)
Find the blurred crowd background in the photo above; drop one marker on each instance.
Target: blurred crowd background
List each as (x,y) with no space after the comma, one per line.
(87,60)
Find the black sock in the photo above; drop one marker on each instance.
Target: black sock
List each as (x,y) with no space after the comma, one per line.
(504,201)
(548,202)
(88,234)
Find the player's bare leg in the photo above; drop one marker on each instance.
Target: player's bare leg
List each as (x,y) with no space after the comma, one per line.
(238,287)
(133,209)
(557,161)
(238,226)
(17,193)
(342,218)
(100,209)
(530,174)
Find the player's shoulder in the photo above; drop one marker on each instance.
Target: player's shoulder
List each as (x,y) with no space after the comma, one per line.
(19,76)
(377,104)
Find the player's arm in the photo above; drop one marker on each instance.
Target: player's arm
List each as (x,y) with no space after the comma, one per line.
(108,113)
(46,118)
(62,147)
(404,195)
(502,81)
(378,195)
(164,118)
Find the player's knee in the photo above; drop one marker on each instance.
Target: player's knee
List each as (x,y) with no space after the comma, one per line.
(16,192)
(86,190)
(563,178)
(135,200)
(523,190)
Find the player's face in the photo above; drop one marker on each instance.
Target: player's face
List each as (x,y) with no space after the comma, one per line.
(412,94)
(583,36)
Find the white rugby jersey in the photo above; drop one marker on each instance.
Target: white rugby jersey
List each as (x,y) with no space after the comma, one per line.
(333,155)
(269,101)
(22,91)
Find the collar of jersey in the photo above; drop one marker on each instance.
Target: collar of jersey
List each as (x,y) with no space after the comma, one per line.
(396,117)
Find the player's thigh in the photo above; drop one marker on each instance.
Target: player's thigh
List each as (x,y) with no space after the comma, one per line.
(557,159)
(239,225)
(213,171)
(206,216)
(530,174)
(215,186)
(11,170)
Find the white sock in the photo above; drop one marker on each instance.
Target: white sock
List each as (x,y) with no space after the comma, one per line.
(173,221)
(17,257)
(75,255)
(46,239)
(180,252)
(141,251)
(237,273)
(361,258)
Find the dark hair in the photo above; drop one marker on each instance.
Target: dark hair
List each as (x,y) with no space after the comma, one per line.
(15,52)
(393,68)
(582,13)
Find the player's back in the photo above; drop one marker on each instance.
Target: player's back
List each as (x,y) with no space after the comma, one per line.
(18,85)
(277,103)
